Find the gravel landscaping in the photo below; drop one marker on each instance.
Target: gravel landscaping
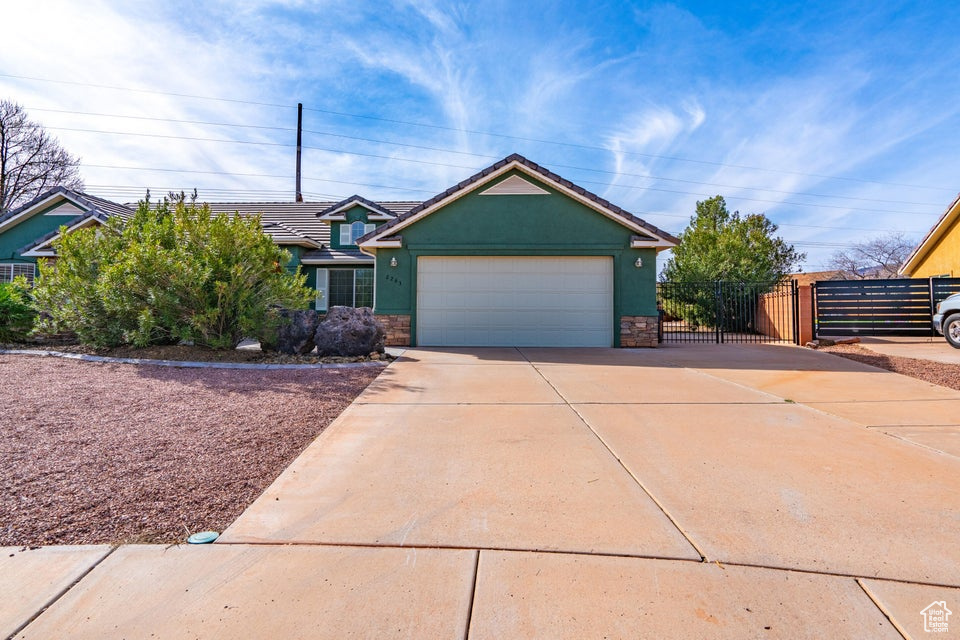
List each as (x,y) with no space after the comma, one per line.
(190,353)
(945,375)
(109,453)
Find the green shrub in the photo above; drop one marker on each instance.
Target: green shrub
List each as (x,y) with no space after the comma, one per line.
(172,272)
(16,313)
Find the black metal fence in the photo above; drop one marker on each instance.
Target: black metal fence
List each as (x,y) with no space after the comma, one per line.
(728,311)
(899,307)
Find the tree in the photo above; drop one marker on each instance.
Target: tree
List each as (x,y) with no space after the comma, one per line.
(719,245)
(31,161)
(173,272)
(880,257)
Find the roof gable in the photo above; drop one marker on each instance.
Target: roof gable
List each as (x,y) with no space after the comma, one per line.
(934,235)
(648,234)
(79,203)
(43,247)
(338,211)
(514,186)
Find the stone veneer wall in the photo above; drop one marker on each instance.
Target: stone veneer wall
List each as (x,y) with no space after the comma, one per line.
(639,331)
(397,328)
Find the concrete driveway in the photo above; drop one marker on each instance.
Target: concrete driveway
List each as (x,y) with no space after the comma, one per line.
(729,491)
(936,348)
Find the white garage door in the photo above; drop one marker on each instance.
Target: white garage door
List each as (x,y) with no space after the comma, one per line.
(515,301)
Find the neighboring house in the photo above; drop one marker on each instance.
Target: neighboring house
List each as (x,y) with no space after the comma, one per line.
(514,256)
(938,254)
(27,232)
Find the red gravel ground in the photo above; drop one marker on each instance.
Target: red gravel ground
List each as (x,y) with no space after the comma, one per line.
(941,373)
(108,453)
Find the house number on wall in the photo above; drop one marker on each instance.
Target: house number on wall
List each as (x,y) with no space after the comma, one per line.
(395,280)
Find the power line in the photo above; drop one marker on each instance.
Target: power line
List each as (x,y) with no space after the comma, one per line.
(489,157)
(405,145)
(148,91)
(607,150)
(472,169)
(264,175)
(390,187)
(478,132)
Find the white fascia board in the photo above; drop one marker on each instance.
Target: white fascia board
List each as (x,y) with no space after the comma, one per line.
(385,243)
(652,243)
(343,218)
(35,253)
(375,241)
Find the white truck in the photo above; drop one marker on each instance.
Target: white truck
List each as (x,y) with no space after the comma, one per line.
(947,320)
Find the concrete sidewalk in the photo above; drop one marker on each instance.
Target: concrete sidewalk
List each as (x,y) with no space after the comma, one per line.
(699,491)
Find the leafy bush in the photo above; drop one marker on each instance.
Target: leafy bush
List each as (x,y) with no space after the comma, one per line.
(172,272)
(16,313)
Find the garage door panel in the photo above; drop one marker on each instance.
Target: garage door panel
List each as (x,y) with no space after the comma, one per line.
(515,301)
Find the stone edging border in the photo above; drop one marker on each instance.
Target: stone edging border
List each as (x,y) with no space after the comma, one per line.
(189,364)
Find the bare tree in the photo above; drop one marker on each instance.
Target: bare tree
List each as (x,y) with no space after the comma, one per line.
(31,160)
(880,257)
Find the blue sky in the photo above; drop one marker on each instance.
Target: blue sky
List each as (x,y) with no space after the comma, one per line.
(838,123)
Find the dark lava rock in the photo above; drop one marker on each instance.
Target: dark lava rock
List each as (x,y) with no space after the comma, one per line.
(293,333)
(346,331)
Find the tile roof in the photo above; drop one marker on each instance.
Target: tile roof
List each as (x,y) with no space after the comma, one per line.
(546,173)
(334,256)
(299,217)
(108,207)
(92,203)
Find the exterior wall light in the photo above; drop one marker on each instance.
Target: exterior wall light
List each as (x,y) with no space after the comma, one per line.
(638,263)
(393,262)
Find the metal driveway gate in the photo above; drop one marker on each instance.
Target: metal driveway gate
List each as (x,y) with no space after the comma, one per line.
(897,307)
(728,311)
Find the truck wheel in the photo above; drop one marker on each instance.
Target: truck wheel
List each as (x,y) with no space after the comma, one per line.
(951,330)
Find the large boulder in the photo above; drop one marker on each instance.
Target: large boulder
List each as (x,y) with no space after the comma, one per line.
(292,332)
(349,332)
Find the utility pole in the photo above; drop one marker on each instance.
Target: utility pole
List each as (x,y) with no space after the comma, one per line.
(299,140)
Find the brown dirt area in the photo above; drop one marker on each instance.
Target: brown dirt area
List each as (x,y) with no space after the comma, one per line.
(943,374)
(108,453)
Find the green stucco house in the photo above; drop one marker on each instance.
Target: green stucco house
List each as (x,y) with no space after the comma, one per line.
(516,255)
(27,232)
(512,256)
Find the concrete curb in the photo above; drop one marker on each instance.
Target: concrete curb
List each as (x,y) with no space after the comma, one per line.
(189,364)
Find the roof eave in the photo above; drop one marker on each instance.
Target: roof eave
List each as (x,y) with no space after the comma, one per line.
(637,242)
(933,236)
